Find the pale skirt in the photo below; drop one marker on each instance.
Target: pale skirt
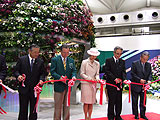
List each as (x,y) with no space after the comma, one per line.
(88,93)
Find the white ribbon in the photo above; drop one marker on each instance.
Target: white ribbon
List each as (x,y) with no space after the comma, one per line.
(8,88)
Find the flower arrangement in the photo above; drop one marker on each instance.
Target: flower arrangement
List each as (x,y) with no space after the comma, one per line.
(155,64)
(43,21)
(6,7)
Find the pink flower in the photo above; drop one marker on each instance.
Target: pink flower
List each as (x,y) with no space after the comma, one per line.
(58,39)
(52,33)
(56,29)
(54,23)
(8,11)
(65,29)
(51,41)
(2,10)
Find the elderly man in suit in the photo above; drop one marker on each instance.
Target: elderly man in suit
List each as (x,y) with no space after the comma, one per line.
(115,74)
(62,65)
(33,69)
(3,69)
(141,73)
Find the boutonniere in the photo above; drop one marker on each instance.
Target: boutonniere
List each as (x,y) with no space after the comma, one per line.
(70,65)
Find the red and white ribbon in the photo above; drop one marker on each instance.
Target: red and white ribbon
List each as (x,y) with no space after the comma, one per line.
(102,82)
(24,78)
(8,88)
(129,83)
(70,84)
(2,111)
(4,89)
(145,87)
(120,83)
(37,91)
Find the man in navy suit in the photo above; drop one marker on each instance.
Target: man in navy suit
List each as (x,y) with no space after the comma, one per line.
(115,74)
(141,73)
(62,65)
(33,69)
(3,69)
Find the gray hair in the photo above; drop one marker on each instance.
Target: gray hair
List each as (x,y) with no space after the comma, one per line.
(145,53)
(33,46)
(117,47)
(64,46)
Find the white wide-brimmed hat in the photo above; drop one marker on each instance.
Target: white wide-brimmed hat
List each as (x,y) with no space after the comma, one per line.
(93,51)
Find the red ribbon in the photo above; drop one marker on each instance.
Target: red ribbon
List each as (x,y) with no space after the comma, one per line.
(37,91)
(4,89)
(120,84)
(2,111)
(70,84)
(101,90)
(24,78)
(129,83)
(146,87)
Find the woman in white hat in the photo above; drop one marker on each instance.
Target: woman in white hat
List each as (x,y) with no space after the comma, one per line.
(89,71)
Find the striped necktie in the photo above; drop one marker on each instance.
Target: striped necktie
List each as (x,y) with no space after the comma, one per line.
(64,63)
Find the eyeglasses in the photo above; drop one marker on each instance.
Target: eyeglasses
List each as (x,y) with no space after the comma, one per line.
(118,53)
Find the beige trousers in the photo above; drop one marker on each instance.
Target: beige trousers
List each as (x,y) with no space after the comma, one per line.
(60,104)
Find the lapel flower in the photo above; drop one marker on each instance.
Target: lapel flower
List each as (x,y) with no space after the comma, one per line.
(71,65)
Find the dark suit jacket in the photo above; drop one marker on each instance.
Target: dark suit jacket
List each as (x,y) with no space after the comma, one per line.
(112,72)
(57,70)
(3,68)
(137,74)
(32,78)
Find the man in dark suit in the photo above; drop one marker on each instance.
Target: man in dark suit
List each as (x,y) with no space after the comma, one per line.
(3,69)
(62,65)
(115,74)
(33,68)
(141,73)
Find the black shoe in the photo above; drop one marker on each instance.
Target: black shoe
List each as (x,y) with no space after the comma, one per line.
(144,117)
(136,117)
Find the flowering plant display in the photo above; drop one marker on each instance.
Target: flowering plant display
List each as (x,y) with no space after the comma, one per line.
(155,64)
(6,7)
(44,21)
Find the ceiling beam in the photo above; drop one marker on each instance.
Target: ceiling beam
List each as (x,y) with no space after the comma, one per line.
(114,6)
(148,3)
(120,4)
(105,4)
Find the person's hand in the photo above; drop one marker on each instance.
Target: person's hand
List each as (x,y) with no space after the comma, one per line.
(142,81)
(94,80)
(41,83)
(63,79)
(149,82)
(117,80)
(98,80)
(20,78)
(74,78)
(0,81)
